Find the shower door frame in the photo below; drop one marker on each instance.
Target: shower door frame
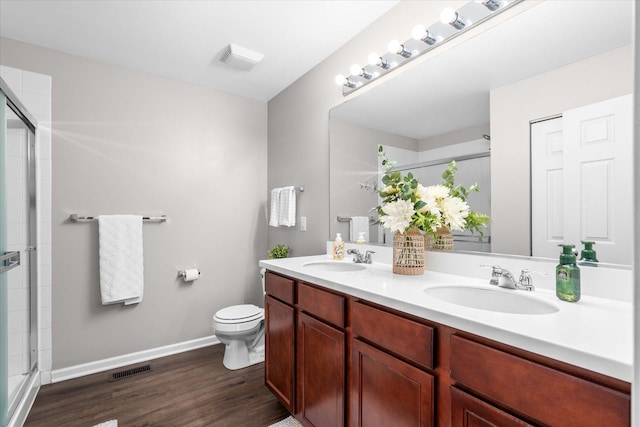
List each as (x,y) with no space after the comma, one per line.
(13,103)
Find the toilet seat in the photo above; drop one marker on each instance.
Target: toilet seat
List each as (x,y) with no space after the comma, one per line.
(239,313)
(238,318)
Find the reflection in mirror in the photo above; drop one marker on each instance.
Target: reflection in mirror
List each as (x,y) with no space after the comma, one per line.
(542,62)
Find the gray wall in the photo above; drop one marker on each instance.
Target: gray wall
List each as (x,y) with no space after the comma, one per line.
(354,159)
(131,142)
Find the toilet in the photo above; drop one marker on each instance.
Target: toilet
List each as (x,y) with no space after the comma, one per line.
(241,329)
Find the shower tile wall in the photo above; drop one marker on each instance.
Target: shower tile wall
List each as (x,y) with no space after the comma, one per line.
(34,90)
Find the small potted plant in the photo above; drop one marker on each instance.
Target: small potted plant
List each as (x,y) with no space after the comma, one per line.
(278,251)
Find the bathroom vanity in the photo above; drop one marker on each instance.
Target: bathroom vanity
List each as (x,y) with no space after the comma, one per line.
(365,347)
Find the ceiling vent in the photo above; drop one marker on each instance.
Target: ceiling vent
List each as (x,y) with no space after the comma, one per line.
(240,58)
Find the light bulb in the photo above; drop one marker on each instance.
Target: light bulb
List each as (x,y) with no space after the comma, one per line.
(394,46)
(419,31)
(448,15)
(356,70)
(344,81)
(377,60)
(453,18)
(397,48)
(373,59)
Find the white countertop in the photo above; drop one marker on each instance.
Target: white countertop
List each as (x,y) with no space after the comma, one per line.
(594,333)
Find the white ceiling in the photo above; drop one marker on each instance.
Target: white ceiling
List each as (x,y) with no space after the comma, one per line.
(184,39)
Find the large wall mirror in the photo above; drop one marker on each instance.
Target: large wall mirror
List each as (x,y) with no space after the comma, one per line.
(477,102)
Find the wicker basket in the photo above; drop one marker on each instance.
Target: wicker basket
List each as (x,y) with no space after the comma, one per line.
(408,252)
(441,242)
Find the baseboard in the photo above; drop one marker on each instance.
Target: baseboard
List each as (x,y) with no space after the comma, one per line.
(84,369)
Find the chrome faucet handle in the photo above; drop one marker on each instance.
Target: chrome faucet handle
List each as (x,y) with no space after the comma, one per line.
(368,259)
(525,282)
(358,258)
(496,272)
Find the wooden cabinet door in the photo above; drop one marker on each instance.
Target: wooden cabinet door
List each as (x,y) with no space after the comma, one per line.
(386,391)
(467,411)
(320,373)
(279,365)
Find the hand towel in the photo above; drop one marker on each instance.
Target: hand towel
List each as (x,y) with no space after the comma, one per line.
(287,206)
(274,215)
(359,224)
(121,260)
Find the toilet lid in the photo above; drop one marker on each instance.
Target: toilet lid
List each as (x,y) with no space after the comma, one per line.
(239,313)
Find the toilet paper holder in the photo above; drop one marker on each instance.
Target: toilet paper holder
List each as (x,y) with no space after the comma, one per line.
(183,273)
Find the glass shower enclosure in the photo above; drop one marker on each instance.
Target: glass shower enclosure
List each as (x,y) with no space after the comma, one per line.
(18,263)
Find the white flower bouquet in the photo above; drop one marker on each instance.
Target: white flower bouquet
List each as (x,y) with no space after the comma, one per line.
(406,203)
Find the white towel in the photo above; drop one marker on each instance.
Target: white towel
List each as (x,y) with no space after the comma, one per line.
(121,261)
(287,207)
(359,224)
(274,216)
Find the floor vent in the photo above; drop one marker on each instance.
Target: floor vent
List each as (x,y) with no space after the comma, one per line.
(129,372)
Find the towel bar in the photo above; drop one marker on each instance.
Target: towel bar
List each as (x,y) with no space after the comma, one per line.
(76,218)
(372,220)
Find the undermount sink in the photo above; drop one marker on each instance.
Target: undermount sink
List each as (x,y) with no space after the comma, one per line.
(503,301)
(334,266)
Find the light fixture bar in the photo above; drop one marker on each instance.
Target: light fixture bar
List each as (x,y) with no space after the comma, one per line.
(452,23)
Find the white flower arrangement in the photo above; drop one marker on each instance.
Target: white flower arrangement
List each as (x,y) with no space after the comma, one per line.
(406,203)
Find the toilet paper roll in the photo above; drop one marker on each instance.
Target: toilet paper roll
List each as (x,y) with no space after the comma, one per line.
(191,274)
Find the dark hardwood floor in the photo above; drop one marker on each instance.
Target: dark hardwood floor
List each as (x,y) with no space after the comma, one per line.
(186,389)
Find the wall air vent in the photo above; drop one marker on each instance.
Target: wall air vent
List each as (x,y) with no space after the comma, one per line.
(129,372)
(240,58)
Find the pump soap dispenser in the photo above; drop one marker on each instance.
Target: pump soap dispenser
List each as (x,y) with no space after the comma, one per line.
(588,255)
(568,276)
(338,248)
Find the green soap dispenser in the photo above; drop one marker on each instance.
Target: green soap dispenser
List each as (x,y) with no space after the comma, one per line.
(588,255)
(568,276)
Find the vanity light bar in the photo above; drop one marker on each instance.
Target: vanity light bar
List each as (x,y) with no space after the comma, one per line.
(452,23)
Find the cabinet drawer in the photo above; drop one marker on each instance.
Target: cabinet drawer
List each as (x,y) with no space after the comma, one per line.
(280,287)
(401,336)
(326,305)
(546,395)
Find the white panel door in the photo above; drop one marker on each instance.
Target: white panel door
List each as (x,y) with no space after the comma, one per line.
(547,187)
(592,187)
(599,195)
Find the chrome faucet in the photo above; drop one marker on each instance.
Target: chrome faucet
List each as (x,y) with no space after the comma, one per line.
(359,257)
(503,278)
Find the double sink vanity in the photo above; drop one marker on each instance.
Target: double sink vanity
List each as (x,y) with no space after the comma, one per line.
(354,344)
